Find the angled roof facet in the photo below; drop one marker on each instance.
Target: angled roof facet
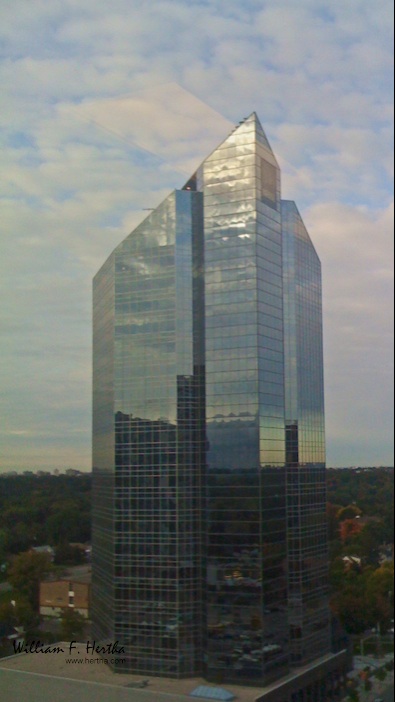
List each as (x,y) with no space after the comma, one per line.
(289,208)
(261,136)
(247,125)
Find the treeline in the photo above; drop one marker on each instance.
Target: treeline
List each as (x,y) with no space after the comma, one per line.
(37,510)
(49,509)
(349,484)
(361,536)
(372,489)
(56,510)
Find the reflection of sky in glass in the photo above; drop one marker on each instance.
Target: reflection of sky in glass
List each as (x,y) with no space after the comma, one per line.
(155,397)
(169,323)
(244,396)
(307,530)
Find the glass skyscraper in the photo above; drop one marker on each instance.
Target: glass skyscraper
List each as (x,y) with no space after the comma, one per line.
(247,633)
(209,526)
(305,443)
(149,512)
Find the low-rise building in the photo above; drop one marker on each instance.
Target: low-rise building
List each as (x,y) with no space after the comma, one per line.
(351,562)
(58,595)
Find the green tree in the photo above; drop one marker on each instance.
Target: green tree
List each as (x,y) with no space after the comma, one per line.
(67,523)
(68,555)
(379,590)
(351,603)
(44,509)
(380,674)
(3,548)
(20,614)
(18,538)
(333,521)
(351,610)
(25,573)
(367,542)
(336,574)
(72,625)
(349,512)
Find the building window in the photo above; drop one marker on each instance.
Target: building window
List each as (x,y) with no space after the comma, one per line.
(268,183)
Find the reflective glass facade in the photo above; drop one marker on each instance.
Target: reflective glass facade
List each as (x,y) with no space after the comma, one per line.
(247,602)
(208,430)
(305,432)
(149,442)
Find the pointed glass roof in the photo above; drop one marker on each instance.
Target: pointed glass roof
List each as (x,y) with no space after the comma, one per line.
(243,125)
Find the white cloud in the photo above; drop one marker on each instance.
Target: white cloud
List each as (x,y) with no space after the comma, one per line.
(355,248)
(107,107)
(332,162)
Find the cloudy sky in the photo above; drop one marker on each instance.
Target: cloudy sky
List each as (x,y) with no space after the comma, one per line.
(107,106)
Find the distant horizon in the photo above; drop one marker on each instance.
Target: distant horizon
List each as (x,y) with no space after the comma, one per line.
(85,471)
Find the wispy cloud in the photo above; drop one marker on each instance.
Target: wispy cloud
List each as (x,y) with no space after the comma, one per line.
(108,107)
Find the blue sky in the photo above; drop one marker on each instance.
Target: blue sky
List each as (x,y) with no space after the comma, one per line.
(108,106)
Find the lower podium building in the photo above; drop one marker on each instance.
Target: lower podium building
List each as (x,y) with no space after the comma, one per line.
(209,525)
